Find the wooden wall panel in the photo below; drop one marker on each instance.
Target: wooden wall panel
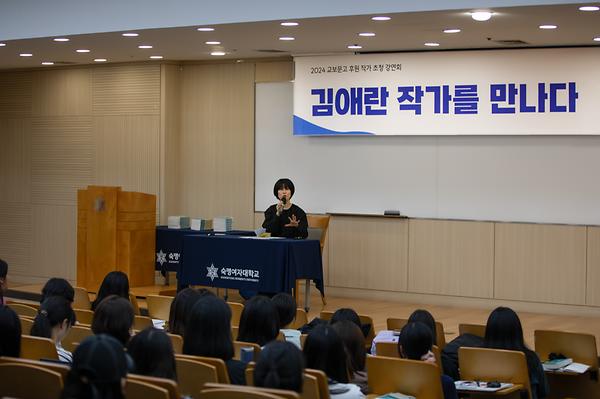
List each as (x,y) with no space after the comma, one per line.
(451,257)
(217,142)
(54,241)
(368,253)
(15,160)
(72,86)
(593,266)
(541,263)
(15,237)
(62,159)
(126,89)
(278,71)
(15,94)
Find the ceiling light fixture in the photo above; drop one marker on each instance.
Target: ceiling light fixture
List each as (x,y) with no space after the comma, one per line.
(83,50)
(287,38)
(597,39)
(481,16)
(26,55)
(366,34)
(381,18)
(145,46)
(130,34)
(205,29)
(431,44)
(2,44)
(100,60)
(289,23)
(453,30)
(47,63)
(156,57)
(548,26)
(218,53)
(213,42)
(61,39)
(589,8)
(354,47)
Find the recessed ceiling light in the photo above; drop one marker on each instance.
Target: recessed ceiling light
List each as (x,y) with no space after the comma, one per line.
(548,26)
(61,39)
(156,57)
(366,34)
(381,18)
(287,38)
(431,44)
(218,53)
(213,42)
(47,63)
(100,60)
(597,39)
(2,44)
(452,30)
(481,15)
(205,29)
(26,55)
(354,47)
(589,8)
(145,46)
(289,23)
(130,34)
(83,50)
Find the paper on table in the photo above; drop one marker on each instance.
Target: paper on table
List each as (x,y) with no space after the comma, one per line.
(578,368)
(479,386)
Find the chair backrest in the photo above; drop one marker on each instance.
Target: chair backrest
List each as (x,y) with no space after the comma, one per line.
(169,385)
(159,306)
(300,319)
(192,375)
(177,342)
(134,304)
(281,336)
(410,377)
(578,346)
(310,385)
(236,313)
(481,364)
(222,373)
(223,391)
(25,381)
(26,324)
(141,322)
(238,345)
(440,336)
(234,332)
(31,304)
(168,292)
(75,335)
(84,316)
(82,299)
(22,309)
(303,339)
(390,349)
(61,369)
(136,389)
(364,319)
(322,383)
(37,348)
(473,329)
(319,222)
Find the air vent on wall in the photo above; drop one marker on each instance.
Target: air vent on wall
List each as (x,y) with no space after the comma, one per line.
(511,42)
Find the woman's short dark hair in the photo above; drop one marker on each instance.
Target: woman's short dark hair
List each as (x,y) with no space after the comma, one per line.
(426,318)
(415,340)
(354,342)
(283,184)
(58,287)
(286,308)
(114,283)
(152,353)
(259,322)
(10,332)
(281,366)
(180,309)
(324,350)
(114,316)
(53,311)
(208,329)
(346,314)
(98,367)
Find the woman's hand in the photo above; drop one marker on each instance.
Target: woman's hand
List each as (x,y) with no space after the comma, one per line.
(279,208)
(293,222)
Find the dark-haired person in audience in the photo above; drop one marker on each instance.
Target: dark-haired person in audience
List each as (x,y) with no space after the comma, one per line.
(351,315)
(285,219)
(114,317)
(208,333)
(415,342)
(180,308)
(354,342)
(426,318)
(10,332)
(281,366)
(324,350)
(504,331)
(3,285)
(259,322)
(58,287)
(152,353)
(98,371)
(54,320)
(286,309)
(114,283)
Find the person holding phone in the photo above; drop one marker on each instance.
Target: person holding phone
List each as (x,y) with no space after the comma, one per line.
(285,219)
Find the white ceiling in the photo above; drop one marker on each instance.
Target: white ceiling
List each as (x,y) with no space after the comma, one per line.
(406,31)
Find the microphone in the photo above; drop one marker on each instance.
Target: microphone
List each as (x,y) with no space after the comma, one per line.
(283,200)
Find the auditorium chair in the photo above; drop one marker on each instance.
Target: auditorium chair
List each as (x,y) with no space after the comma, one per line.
(169,385)
(61,369)
(440,336)
(23,310)
(84,316)
(300,319)
(141,322)
(236,313)
(219,364)
(75,335)
(134,304)
(135,389)
(159,306)
(82,299)
(25,381)
(177,342)
(37,348)
(238,345)
(473,329)
(578,346)
(26,324)
(390,349)
(224,391)
(322,383)
(192,375)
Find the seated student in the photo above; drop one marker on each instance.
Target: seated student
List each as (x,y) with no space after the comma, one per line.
(3,285)
(259,322)
(354,342)
(426,318)
(180,308)
(504,331)
(351,315)
(114,317)
(286,309)
(98,371)
(152,353)
(114,283)
(208,333)
(324,350)
(415,343)
(280,366)
(10,332)
(54,320)
(58,287)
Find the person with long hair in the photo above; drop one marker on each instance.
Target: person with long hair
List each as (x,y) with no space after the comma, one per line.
(426,318)
(54,320)
(10,332)
(180,308)
(114,316)
(504,331)
(354,342)
(114,283)
(280,365)
(152,353)
(285,304)
(208,333)
(259,322)
(58,287)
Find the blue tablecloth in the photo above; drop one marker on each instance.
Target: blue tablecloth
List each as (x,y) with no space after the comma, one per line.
(265,265)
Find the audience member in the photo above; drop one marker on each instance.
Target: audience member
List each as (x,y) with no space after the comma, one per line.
(3,284)
(426,318)
(58,287)
(208,333)
(180,309)
(354,342)
(280,366)
(54,319)
(10,332)
(114,316)
(114,283)
(286,309)
(350,314)
(324,350)
(152,353)
(259,322)
(98,370)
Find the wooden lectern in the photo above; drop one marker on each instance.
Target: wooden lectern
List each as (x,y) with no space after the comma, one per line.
(115,231)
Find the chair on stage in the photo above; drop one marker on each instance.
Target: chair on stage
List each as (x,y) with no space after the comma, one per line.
(36,348)
(25,381)
(159,306)
(473,329)
(440,336)
(136,389)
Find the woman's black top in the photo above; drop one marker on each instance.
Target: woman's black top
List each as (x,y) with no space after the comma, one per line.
(276,224)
